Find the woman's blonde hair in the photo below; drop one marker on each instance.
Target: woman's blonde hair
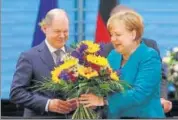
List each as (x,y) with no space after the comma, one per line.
(131,19)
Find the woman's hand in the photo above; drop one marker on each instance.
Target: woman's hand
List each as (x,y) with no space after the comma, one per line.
(91,100)
(74,103)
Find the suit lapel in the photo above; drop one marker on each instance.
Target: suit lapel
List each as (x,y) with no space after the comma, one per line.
(46,56)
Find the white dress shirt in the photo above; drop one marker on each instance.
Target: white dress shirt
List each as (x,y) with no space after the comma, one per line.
(52,50)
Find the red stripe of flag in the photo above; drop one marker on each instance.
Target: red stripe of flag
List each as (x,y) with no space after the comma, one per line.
(102,34)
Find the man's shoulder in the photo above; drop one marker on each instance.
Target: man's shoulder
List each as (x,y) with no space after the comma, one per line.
(149,41)
(107,49)
(33,51)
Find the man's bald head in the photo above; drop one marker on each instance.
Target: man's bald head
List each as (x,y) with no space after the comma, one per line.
(56,13)
(56,27)
(120,8)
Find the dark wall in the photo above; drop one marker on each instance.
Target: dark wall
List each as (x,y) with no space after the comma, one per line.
(10,109)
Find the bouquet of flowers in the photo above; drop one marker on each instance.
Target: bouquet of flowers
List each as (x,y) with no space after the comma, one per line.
(84,71)
(171,60)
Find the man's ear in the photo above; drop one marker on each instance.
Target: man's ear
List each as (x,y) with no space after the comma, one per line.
(44,28)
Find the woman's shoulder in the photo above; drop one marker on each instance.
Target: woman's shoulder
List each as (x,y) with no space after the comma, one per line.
(147,52)
(113,54)
(114,59)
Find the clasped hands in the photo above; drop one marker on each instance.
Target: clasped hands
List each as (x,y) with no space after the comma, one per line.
(65,107)
(88,100)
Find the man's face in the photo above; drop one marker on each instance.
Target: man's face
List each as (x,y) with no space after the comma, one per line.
(57,32)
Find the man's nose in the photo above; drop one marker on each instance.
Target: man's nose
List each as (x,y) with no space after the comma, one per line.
(62,35)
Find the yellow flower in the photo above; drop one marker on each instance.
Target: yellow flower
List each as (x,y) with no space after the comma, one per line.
(69,63)
(98,60)
(114,76)
(87,72)
(55,73)
(92,47)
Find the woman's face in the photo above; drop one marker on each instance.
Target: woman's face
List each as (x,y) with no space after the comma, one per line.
(121,38)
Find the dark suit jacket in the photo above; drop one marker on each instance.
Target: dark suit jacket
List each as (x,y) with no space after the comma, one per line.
(152,44)
(33,65)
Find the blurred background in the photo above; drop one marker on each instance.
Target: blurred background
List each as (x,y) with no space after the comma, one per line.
(20,30)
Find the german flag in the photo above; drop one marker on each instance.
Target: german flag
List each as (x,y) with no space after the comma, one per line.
(102,34)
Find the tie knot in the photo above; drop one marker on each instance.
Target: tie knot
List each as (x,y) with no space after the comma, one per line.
(58,52)
(59,56)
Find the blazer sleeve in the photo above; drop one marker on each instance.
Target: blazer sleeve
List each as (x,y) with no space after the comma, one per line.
(21,81)
(146,83)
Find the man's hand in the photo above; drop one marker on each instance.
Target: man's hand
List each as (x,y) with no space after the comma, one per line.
(167,105)
(74,103)
(59,106)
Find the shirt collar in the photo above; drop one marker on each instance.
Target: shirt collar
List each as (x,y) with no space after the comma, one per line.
(51,48)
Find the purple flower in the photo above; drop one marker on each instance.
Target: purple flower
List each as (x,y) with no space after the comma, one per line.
(87,64)
(119,71)
(64,75)
(102,46)
(75,54)
(100,52)
(60,62)
(82,48)
(78,55)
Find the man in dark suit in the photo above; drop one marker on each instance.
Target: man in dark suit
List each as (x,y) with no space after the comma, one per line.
(37,63)
(167,105)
